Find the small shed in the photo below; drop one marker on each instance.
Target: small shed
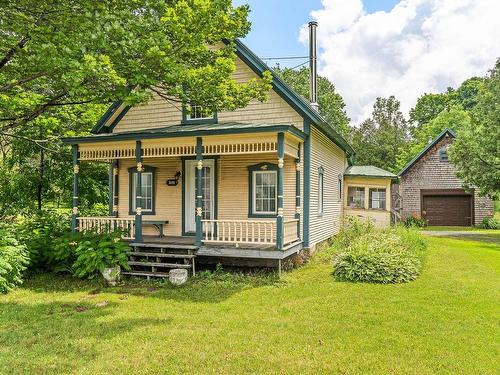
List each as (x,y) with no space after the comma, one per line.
(367,193)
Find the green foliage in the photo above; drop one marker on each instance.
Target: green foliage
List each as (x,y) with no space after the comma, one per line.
(331,104)
(380,139)
(414,222)
(40,232)
(352,228)
(94,252)
(365,254)
(13,260)
(490,223)
(476,151)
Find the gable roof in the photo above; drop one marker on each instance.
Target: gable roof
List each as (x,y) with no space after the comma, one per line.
(368,171)
(445,132)
(295,100)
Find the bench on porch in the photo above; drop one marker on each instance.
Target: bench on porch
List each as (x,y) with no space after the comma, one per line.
(158,225)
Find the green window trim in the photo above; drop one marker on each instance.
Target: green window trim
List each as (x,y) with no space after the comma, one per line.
(131,182)
(196,121)
(261,167)
(341,186)
(321,191)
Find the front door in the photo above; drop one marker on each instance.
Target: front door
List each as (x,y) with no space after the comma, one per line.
(207,188)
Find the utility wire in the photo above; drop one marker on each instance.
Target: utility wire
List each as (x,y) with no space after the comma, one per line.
(285,58)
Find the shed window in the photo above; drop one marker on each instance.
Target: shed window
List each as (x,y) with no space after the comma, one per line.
(356,197)
(443,154)
(377,199)
(147,191)
(320,190)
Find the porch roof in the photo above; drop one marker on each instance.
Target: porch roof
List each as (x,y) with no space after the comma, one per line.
(189,131)
(368,171)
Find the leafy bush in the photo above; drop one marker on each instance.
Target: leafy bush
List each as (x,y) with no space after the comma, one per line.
(40,232)
(414,222)
(392,255)
(94,252)
(13,261)
(352,228)
(490,223)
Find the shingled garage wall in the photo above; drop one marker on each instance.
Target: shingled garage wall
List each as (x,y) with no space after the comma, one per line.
(431,173)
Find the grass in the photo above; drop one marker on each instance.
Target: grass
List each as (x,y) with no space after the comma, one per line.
(447,321)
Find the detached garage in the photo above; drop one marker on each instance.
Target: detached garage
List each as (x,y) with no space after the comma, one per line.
(448,207)
(429,188)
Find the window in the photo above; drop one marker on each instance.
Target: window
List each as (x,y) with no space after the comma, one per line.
(377,199)
(198,114)
(443,154)
(320,189)
(356,197)
(147,191)
(263,190)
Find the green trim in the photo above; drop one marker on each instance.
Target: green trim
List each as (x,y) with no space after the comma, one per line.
(196,121)
(116,186)
(199,190)
(297,191)
(138,192)
(168,133)
(279,218)
(75,199)
(118,118)
(251,169)
(298,103)
(426,149)
(110,189)
(307,183)
(104,118)
(131,172)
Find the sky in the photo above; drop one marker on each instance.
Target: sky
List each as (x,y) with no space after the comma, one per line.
(371,48)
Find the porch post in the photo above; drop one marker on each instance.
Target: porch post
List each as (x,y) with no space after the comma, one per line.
(110,189)
(279,218)
(76,170)
(199,196)
(298,167)
(116,183)
(138,192)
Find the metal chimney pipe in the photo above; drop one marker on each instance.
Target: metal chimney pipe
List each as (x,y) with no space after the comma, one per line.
(313,89)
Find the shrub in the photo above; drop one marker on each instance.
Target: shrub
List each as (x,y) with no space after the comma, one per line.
(490,223)
(94,252)
(392,255)
(352,228)
(13,261)
(414,222)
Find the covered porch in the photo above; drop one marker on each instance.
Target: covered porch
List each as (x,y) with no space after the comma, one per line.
(220,186)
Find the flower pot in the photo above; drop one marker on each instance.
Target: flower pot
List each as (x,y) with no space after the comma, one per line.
(111,275)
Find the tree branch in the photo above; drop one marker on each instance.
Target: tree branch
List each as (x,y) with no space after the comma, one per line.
(35,141)
(11,52)
(21,81)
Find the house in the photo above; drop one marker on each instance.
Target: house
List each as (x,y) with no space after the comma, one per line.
(261,182)
(430,189)
(367,194)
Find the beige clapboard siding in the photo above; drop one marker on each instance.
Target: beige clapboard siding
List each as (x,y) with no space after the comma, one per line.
(232,189)
(160,113)
(326,154)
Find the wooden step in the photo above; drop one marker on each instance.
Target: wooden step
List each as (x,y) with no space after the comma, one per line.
(145,273)
(164,246)
(162,255)
(155,264)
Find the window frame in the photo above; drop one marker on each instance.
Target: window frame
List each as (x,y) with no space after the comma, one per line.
(132,172)
(340,186)
(443,154)
(321,191)
(364,200)
(186,119)
(261,167)
(379,189)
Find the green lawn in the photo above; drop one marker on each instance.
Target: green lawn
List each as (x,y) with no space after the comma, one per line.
(445,322)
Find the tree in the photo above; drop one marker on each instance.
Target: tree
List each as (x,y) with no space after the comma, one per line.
(476,151)
(331,104)
(380,139)
(62,62)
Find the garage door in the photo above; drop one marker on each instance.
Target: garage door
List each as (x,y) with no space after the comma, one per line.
(447,209)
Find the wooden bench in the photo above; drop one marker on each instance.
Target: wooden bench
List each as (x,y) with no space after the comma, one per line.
(157,223)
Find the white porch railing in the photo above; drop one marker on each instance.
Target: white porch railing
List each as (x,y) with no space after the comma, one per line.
(102,224)
(239,231)
(290,231)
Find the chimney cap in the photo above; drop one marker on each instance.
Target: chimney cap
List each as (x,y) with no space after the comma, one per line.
(313,23)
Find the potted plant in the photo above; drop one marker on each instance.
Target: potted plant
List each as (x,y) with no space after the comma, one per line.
(101,253)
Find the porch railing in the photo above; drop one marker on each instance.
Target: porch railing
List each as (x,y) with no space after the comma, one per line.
(290,231)
(239,231)
(107,224)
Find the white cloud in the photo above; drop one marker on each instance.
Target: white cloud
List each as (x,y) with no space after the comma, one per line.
(418,46)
